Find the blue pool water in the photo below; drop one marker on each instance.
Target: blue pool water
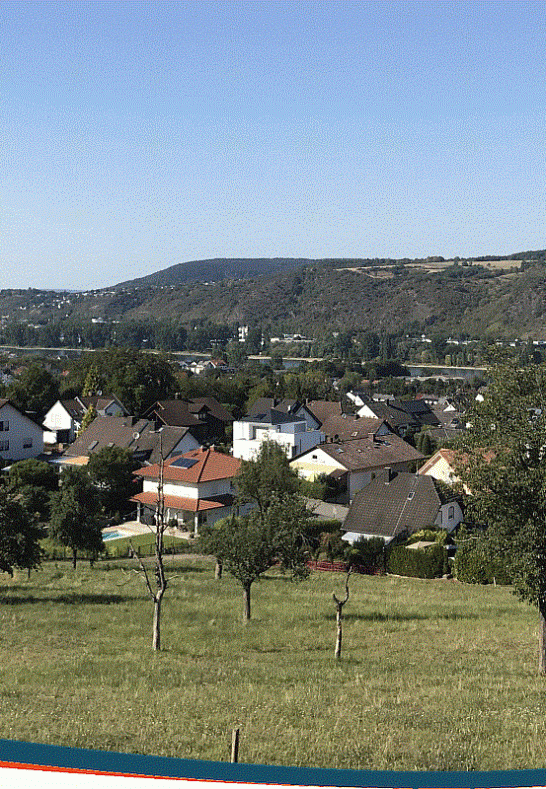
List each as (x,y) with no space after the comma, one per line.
(113,535)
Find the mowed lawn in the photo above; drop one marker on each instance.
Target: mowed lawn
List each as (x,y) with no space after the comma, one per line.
(435,675)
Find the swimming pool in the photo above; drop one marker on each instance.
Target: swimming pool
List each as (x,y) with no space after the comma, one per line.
(113,535)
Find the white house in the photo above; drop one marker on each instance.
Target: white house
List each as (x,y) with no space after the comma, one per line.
(20,436)
(64,418)
(197,488)
(288,430)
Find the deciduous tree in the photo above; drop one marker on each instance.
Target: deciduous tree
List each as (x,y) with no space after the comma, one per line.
(502,461)
(76,520)
(19,536)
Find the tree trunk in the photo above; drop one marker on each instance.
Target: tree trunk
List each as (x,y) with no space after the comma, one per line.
(218,570)
(74,558)
(156,639)
(339,615)
(246,603)
(542,642)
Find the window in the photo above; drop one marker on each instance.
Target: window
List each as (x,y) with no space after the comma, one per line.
(451,512)
(4,426)
(27,443)
(4,446)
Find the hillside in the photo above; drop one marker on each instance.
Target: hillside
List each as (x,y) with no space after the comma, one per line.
(493,297)
(215,270)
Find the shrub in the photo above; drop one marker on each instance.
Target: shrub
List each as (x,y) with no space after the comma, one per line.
(368,552)
(476,563)
(429,562)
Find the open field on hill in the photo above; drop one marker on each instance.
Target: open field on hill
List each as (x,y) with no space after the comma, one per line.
(435,675)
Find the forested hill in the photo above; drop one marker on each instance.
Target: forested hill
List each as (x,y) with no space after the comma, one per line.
(495,297)
(217,269)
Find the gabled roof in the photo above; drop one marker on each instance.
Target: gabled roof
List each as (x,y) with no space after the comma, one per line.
(184,413)
(345,427)
(394,414)
(365,453)
(323,409)
(394,502)
(198,465)
(6,401)
(119,431)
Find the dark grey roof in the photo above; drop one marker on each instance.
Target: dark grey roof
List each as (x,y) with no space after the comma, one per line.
(272,417)
(394,502)
(365,453)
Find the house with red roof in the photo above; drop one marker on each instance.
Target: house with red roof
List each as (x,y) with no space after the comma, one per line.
(198,487)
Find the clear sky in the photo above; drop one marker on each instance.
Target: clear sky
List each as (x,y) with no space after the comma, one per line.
(137,135)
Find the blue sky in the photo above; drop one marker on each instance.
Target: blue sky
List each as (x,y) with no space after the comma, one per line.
(137,135)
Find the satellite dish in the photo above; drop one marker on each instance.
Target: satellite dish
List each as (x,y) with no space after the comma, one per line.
(136,436)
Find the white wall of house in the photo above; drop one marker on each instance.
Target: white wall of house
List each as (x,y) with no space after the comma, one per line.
(202,490)
(449,516)
(58,418)
(294,437)
(186,444)
(439,468)
(20,437)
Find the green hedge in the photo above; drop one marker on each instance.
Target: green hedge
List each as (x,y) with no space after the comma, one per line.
(475,563)
(429,562)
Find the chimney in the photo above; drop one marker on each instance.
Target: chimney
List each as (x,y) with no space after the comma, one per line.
(390,475)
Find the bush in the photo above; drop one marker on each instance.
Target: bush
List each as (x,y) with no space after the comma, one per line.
(429,562)
(368,552)
(476,563)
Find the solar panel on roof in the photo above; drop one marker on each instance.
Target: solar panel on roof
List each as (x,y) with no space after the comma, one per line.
(184,462)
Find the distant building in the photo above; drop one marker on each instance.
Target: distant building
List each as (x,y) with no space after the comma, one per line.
(289,431)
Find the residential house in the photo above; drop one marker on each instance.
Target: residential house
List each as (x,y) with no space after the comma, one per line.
(290,432)
(347,427)
(198,487)
(141,436)
(205,418)
(286,406)
(404,416)
(64,418)
(323,409)
(20,436)
(394,503)
(357,461)
(442,466)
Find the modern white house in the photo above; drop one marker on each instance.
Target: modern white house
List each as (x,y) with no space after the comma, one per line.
(20,436)
(197,488)
(292,433)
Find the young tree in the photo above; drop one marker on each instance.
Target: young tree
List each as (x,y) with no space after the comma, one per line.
(339,603)
(248,546)
(89,416)
(266,479)
(502,462)
(76,520)
(156,589)
(19,537)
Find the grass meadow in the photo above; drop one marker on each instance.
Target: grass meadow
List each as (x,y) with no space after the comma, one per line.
(435,675)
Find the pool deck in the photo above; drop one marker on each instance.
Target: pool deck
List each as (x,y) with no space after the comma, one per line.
(132,528)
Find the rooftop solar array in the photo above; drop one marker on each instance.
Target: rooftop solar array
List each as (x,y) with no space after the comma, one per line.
(184,462)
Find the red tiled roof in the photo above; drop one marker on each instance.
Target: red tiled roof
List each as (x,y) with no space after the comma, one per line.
(209,465)
(182,503)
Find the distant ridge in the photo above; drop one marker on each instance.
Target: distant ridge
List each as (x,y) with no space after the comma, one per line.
(218,269)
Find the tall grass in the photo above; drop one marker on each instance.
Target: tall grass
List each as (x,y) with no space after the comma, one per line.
(434,675)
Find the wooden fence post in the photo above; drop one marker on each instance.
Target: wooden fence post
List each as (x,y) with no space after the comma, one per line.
(235,745)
